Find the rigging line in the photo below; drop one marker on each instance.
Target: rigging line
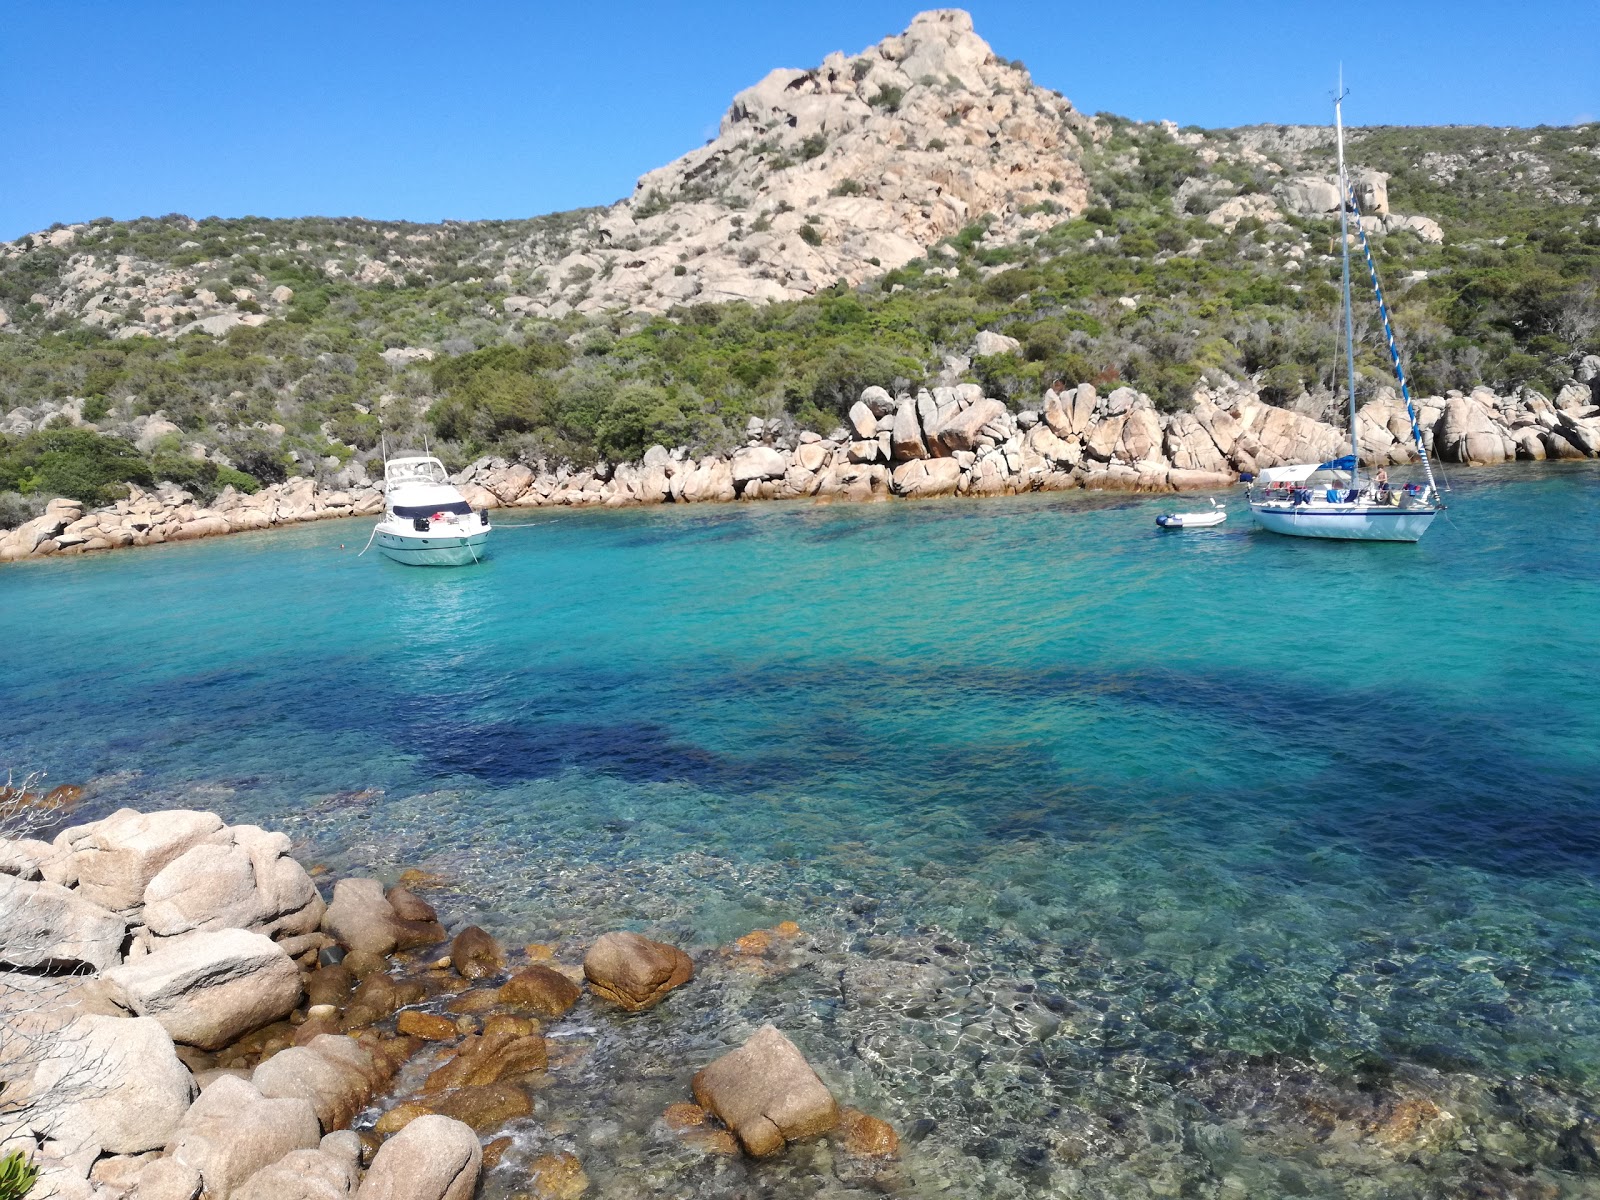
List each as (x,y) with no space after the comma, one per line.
(1388,334)
(368,546)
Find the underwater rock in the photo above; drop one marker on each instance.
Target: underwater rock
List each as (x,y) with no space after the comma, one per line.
(866,1136)
(634,972)
(557,1177)
(430,1027)
(507,1048)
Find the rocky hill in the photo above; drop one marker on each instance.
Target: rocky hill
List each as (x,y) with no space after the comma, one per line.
(858,223)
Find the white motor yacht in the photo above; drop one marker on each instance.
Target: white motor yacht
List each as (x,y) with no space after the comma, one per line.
(426,521)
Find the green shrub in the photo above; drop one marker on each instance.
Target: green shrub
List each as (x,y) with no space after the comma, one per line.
(812,147)
(888,98)
(846,187)
(17,1176)
(78,463)
(96,408)
(810,236)
(238,480)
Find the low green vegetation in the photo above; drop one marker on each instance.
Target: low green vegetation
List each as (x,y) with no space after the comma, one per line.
(17,1176)
(1139,288)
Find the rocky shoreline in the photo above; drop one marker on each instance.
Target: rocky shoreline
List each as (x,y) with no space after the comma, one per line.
(187,1014)
(948,441)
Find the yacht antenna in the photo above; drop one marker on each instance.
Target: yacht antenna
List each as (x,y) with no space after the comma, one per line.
(1344,248)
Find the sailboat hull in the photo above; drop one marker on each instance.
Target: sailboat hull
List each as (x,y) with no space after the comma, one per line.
(1349,522)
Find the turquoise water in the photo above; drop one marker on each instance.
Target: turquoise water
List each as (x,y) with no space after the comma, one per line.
(1123,856)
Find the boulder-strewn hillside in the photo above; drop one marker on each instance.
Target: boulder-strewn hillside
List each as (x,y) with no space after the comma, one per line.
(854,224)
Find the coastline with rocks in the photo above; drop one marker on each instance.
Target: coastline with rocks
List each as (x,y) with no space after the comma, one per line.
(189,1015)
(952,440)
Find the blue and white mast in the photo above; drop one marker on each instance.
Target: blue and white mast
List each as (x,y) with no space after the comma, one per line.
(1344,247)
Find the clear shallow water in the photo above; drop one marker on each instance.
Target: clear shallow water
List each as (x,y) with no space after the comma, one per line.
(1106,840)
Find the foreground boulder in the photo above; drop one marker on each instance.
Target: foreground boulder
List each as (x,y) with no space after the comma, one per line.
(475,954)
(233,1131)
(432,1158)
(632,971)
(111,1082)
(44,926)
(363,920)
(541,990)
(208,989)
(767,1093)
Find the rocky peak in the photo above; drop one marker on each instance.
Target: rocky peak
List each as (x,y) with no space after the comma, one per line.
(837,172)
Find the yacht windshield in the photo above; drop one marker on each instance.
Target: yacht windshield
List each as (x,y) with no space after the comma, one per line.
(427,510)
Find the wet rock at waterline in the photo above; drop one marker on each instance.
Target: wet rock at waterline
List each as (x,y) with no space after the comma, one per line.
(767,1093)
(634,972)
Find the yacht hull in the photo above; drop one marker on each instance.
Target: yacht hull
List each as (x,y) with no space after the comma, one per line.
(1351,523)
(426,550)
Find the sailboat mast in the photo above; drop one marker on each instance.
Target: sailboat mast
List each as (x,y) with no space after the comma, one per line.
(1344,247)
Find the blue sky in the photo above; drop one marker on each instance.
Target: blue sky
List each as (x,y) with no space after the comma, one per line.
(500,109)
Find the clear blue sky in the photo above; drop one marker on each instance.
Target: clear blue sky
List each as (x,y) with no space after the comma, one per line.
(467,110)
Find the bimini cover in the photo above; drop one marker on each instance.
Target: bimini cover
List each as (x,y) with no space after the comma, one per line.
(1300,472)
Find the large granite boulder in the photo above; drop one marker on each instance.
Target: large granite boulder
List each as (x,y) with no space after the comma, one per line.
(767,1093)
(250,882)
(111,1082)
(961,429)
(634,972)
(432,1158)
(927,477)
(44,926)
(475,954)
(362,919)
(758,462)
(232,1131)
(116,858)
(905,438)
(208,989)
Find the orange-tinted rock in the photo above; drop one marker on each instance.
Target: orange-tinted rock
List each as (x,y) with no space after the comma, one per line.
(557,1177)
(415,879)
(430,1027)
(866,1136)
(495,1151)
(389,1054)
(1405,1121)
(632,971)
(712,1141)
(684,1116)
(409,907)
(787,929)
(758,941)
(379,996)
(483,1108)
(539,952)
(330,985)
(539,989)
(323,1018)
(478,1000)
(507,1048)
(475,955)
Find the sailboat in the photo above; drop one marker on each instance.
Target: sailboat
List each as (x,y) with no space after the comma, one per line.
(1329,499)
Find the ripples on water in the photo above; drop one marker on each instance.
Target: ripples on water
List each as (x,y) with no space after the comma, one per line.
(1125,857)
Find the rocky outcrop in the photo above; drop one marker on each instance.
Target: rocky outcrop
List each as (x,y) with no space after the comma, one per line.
(249,882)
(232,1131)
(955,440)
(634,972)
(767,1093)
